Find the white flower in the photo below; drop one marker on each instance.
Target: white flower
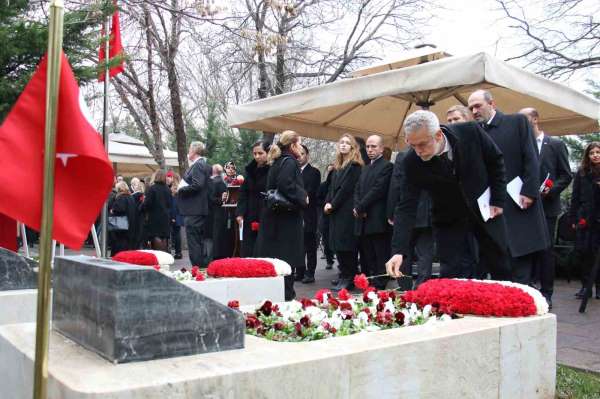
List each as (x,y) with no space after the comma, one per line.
(389,306)
(445,317)
(426,311)
(373,296)
(316,314)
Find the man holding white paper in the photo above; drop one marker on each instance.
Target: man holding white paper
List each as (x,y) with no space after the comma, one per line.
(525,223)
(455,164)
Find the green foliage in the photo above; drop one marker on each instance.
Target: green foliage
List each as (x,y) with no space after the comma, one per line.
(222,144)
(577,144)
(23,36)
(575,384)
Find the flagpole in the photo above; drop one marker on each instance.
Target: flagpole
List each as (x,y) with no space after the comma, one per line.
(104,217)
(55,38)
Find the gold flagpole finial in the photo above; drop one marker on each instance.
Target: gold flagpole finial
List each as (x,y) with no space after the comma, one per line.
(55,39)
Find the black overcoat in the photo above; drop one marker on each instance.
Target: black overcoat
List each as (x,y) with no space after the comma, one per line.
(585,205)
(124,205)
(341,219)
(478,165)
(250,201)
(311,178)
(370,198)
(157,208)
(216,213)
(281,235)
(554,160)
(527,232)
(194,199)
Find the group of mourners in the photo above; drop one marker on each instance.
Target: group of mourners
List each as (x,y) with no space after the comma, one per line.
(446,195)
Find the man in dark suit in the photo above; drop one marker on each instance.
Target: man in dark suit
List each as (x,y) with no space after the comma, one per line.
(455,164)
(525,223)
(311,177)
(554,168)
(421,242)
(193,197)
(371,225)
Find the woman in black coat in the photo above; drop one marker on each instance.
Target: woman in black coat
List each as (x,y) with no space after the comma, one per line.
(281,234)
(156,207)
(250,201)
(584,212)
(123,205)
(339,206)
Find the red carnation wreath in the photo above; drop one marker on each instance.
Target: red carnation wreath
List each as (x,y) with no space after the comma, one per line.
(473,297)
(136,258)
(241,267)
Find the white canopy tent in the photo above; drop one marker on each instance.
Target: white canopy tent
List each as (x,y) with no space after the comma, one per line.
(130,157)
(378,102)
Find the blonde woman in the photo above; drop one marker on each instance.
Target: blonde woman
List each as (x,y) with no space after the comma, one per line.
(339,205)
(173,180)
(123,205)
(281,234)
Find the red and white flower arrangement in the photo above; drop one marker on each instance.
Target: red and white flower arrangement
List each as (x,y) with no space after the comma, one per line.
(326,316)
(248,267)
(479,297)
(145,257)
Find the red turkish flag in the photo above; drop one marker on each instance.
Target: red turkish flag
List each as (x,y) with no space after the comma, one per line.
(83,173)
(115,48)
(8,233)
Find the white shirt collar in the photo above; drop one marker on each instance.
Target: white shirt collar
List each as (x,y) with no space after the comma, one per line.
(302,167)
(373,160)
(492,118)
(447,148)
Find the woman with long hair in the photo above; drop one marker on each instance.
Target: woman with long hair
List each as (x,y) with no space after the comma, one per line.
(281,234)
(339,205)
(173,180)
(250,201)
(123,206)
(138,189)
(584,213)
(157,206)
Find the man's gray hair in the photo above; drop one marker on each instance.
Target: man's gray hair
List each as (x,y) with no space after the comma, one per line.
(419,119)
(197,147)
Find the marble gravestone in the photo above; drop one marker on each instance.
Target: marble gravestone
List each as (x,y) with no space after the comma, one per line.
(129,313)
(16,271)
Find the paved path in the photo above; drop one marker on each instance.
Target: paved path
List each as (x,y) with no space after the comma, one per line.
(578,343)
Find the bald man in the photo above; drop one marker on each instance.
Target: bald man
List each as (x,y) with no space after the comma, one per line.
(370,211)
(525,222)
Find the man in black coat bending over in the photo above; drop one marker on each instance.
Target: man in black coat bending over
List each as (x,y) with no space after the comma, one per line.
(311,177)
(193,197)
(455,165)
(371,225)
(525,224)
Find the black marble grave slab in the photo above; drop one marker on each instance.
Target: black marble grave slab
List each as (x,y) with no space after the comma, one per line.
(16,271)
(130,313)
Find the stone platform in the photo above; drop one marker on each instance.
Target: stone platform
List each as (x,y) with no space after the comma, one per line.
(467,358)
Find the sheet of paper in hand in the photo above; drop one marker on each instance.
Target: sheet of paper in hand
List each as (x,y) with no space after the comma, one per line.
(484,204)
(514,190)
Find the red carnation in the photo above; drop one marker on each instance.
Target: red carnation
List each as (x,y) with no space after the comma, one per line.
(333,303)
(549,183)
(136,258)
(320,295)
(361,281)
(234,304)
(252,321)
(383,296)
(345,306)
(194,271)
(254,226)
(399,316)
(306,303)
(582,224)
(344,295)
(199,276)
(305,321)
(241,267)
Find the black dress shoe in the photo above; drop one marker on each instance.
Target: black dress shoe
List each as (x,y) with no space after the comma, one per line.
(308,280)
(549,303)
(581,293)
(178,256)
(298,278)
(344,284)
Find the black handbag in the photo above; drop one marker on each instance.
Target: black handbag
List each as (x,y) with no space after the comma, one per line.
(277,202)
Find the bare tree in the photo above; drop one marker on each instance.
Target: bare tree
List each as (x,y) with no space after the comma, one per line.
(564,39)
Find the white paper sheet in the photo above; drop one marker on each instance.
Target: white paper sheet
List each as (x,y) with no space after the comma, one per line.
(514,190)
(484,204)
(241,231)
(182,184)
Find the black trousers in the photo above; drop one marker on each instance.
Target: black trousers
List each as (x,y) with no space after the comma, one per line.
(377,251)
(325,239)
(348,264)
(248,243)
(545,263)
(423,249)
(176,238)
(451,240)
(194,231)
(310,252)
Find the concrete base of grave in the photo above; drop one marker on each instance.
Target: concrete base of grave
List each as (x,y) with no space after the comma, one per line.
(19,306)
(467,358)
